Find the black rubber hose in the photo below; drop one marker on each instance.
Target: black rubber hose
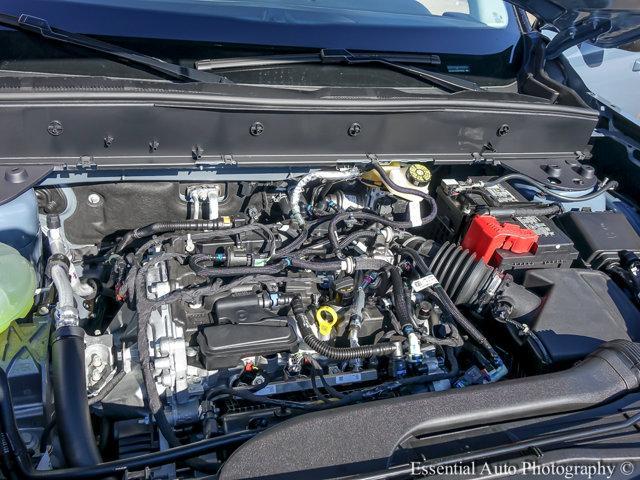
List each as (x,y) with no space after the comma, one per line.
(466,324)
(522,211)
(68,378)
(46,433)
(14,452)
(345,242)
(403,309)
(317,266)
(372,217)
(294,245)
(433,209)
(610,185)
(164,227)
(329,351)
(116,468)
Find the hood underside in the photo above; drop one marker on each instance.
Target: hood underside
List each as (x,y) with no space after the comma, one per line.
(606,23)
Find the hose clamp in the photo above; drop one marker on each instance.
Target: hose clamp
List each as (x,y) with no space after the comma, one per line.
(66,317)
(60,260)
(348,265)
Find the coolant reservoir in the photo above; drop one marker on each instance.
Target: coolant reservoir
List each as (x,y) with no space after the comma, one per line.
(17,285)
(415,176)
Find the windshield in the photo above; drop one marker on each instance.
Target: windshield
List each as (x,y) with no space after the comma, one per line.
(452,13)
(479,36)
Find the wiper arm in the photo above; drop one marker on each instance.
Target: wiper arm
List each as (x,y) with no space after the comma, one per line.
(41,27)
(401,62)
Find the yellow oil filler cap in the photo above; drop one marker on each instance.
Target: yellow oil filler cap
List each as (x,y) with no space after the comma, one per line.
(326,317)
(17,286)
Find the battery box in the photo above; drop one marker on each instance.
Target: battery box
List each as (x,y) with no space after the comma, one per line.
(456,212)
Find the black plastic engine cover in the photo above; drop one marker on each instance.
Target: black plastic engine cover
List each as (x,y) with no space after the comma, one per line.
(600,236)
(223,346)
(580,310)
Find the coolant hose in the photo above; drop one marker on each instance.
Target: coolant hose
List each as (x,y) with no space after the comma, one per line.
(375,431)
(335,353)
(70,391)
(433,209)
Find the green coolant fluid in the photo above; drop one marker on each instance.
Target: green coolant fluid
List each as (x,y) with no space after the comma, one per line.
(17,286)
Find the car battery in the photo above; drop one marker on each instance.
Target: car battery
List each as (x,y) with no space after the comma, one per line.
(456,212)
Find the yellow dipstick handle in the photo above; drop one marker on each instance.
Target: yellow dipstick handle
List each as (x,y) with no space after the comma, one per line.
(326,318)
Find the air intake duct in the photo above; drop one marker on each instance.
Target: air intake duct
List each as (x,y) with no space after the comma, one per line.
(471,282)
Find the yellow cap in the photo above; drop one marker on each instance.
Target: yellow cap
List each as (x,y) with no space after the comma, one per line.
(326,317)
(418,174)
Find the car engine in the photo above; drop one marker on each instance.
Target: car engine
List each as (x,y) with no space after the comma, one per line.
(206,309)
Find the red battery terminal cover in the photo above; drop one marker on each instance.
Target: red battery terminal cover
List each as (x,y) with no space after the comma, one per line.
(486,234)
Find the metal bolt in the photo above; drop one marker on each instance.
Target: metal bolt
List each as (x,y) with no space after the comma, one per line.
(354,129)
(191,352)
(96,361)
(256,129)
(55,128)
(94,199)
(503,130)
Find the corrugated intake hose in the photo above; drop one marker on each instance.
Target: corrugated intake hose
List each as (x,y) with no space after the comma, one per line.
(70,391)
(469,272)
(329,351)
(373,431)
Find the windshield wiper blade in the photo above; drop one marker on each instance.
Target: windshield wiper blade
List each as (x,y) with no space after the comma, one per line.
(42,28)
(404,63)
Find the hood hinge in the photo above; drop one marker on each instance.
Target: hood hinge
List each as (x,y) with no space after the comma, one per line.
(589,29)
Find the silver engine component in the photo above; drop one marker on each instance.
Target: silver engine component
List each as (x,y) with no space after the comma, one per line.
(168,350)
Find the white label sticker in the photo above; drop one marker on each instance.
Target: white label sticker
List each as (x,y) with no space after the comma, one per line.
(536,225)
(501,194)
(348,378)
(424,282)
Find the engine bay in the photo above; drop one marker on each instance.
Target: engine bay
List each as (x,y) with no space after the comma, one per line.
(209,309)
